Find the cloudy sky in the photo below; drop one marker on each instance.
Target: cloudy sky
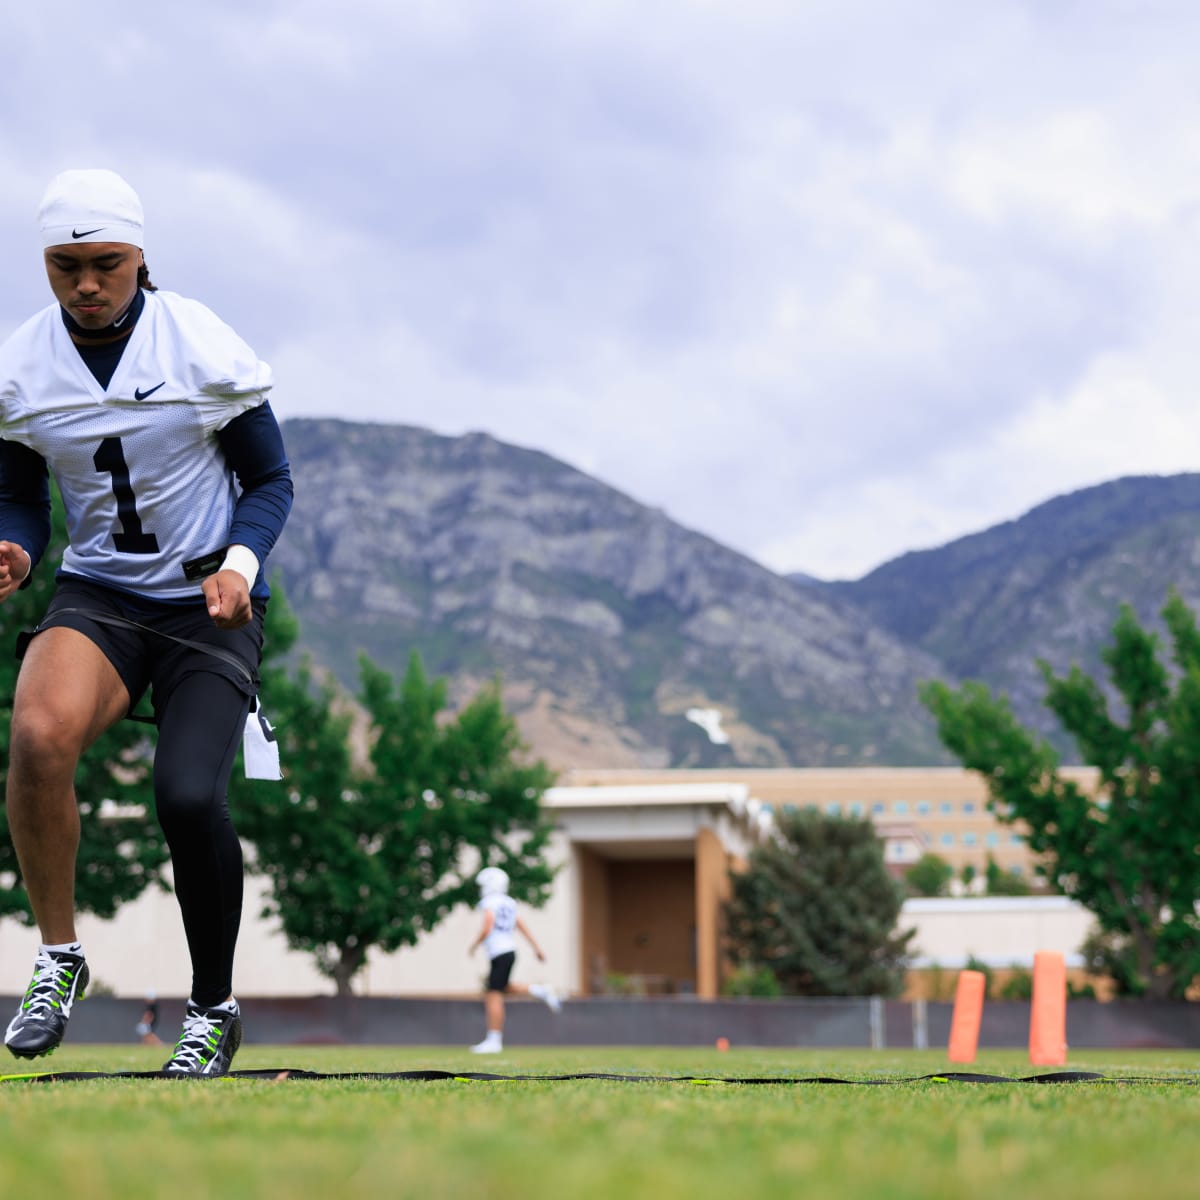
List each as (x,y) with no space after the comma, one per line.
(826,281)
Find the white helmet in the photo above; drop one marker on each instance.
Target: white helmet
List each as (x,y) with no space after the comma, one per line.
(492,881)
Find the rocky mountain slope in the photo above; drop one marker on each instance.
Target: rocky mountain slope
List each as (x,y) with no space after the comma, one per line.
(1048,585)
(606,621)
(623,639)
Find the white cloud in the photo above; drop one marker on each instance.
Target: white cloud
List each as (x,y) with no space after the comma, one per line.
(827,282)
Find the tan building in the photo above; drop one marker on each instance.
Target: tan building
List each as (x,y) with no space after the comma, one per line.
(942,810)
(640,876)
(643,862)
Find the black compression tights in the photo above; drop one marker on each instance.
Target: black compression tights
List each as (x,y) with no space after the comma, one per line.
(198,737)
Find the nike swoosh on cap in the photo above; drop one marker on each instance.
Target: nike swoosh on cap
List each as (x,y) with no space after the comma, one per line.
(138,394)
(86,233)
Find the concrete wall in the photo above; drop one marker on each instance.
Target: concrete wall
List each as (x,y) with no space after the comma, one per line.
(657,1021)
(1000,931)
(143,949)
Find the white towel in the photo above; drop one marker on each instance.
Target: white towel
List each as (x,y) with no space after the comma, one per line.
(260,749)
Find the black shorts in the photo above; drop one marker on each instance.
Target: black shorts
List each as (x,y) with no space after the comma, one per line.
(501,969)
(149,658)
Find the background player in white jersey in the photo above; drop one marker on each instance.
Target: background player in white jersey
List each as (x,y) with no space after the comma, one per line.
(500,925)
(152,416)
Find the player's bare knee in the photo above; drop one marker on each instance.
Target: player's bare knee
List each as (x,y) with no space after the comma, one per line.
(42,739)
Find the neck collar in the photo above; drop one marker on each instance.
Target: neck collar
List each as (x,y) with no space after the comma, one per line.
(121,327)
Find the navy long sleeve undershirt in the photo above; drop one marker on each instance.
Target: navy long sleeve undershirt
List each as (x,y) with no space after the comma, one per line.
(253,447)
(24,500)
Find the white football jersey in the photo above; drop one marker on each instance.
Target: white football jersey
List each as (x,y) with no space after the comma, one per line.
(143,479)
(504,911)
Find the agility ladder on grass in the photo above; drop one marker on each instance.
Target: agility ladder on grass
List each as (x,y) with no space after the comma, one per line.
(278,1074)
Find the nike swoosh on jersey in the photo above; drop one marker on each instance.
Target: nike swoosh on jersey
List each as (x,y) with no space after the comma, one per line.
(138,394)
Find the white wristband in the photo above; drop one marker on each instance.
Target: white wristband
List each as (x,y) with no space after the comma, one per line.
(242,560)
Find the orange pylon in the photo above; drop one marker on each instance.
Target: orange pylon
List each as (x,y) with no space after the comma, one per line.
(1048,1016)
(968,1015)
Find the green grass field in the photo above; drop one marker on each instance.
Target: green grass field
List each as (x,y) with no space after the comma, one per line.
(672,1141)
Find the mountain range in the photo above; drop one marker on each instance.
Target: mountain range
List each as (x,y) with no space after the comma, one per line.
(622,639)
(1047,586)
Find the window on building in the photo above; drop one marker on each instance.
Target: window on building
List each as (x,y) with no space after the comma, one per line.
(968,806)
(992,839)
(946,807)
(947,839)
(833,808)
(878,809)
(969,838)
(856,809)
(923,808)
(901,807)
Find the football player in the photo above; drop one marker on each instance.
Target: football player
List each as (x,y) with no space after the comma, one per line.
(497,935)
(153,417)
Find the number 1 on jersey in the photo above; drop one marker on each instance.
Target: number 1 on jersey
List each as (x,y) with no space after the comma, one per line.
(130,538)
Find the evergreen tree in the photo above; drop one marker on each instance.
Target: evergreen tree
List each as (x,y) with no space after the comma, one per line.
(121,848)
(1130,853)
(362,854)
(818,908)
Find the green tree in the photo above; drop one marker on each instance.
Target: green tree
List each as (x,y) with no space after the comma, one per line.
(1018,985)
(989,976)
(1129,854)
(1003,883)
(1112,955)
(376,853)
(930,875)
(121,848)
(818,908)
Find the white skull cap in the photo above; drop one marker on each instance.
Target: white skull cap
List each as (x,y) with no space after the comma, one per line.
(90,206)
